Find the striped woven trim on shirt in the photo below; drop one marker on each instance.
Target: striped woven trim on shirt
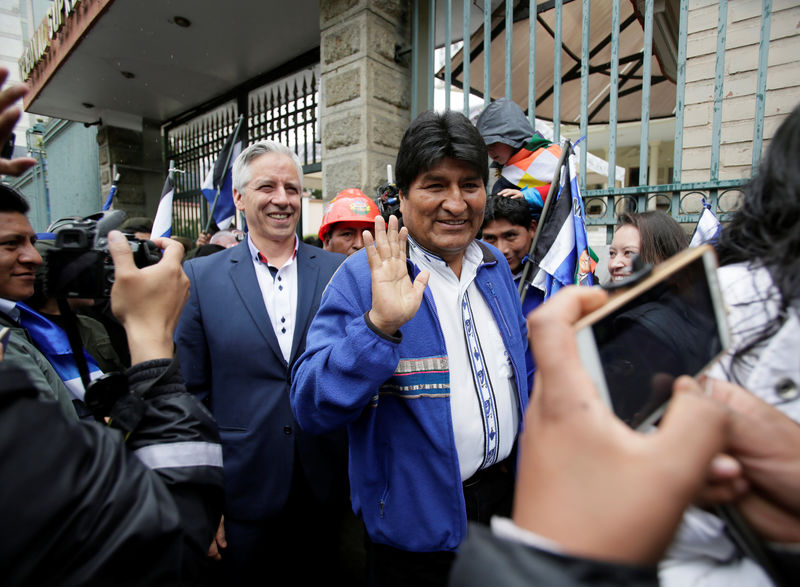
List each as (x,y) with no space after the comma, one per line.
(420,377)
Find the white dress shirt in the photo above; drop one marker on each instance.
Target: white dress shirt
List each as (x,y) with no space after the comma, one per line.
(280,294)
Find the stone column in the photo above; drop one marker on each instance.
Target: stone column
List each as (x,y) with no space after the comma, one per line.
(365,91)
(137,155)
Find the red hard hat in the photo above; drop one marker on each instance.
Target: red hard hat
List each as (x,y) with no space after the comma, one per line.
(350,205)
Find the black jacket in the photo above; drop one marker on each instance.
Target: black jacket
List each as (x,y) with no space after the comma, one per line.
(78,504)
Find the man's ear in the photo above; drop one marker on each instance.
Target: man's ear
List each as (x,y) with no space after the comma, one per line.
(532,229)
(238,200)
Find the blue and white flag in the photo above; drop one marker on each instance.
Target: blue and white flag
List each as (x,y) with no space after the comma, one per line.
(53,342)
(111,193)
(562,243)
(162,223)
(220,177)
(708,227)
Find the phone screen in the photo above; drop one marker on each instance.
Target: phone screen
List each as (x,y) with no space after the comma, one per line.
(669,330)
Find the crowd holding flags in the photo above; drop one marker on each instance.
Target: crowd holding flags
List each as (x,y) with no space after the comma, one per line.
(560,252)
(162,223)
(218,185)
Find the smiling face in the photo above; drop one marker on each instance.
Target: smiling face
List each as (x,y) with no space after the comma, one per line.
(624,246)
(443,209)
(513,240)
(271,199)
(18,257)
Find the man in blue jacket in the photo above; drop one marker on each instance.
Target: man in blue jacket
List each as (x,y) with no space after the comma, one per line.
(419,349)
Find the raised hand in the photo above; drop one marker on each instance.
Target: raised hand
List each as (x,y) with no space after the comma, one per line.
(395,299)
(9,114)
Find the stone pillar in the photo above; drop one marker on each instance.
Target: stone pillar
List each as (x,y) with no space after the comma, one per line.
(365,92)
(137,155)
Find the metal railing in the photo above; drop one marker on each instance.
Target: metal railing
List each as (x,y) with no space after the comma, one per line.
(285,110)
(510,24)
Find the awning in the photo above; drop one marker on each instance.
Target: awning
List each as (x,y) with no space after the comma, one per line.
(631,41)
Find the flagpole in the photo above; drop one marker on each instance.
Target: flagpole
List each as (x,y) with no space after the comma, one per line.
(524,281)
(227,162)
(113,191)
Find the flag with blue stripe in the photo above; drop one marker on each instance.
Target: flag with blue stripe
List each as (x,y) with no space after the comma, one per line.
(563,239)
(111,193)
(162,223)
(53,342)
(708,227)
(220,177)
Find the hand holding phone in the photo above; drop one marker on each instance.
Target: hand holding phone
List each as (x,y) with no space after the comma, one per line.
(669,323)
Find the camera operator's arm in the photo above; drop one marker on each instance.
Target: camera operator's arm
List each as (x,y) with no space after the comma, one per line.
(9,114)
(84,503)
(605,499)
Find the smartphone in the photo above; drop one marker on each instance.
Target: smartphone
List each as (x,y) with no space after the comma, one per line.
(667,323)
(5,332)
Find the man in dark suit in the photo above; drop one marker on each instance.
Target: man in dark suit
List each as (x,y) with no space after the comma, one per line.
(242,329)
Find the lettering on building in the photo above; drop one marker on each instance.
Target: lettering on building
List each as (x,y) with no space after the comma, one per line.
(57,15)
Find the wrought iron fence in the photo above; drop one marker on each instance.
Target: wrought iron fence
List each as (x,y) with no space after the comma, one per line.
(576,63)
(285,111)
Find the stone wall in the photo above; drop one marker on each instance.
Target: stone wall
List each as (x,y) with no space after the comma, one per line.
(365,94)
(740,79)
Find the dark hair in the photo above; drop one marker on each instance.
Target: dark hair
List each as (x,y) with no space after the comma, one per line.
(516,211)
(660,234)
(765,230)
(11,200)
(208,249)
(433,136)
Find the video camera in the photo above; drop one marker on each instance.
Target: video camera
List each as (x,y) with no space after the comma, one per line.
(79,265)
(388,200)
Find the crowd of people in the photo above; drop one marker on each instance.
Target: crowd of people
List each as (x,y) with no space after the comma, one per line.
(381,409)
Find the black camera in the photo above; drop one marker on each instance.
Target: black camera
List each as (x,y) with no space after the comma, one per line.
(79,264)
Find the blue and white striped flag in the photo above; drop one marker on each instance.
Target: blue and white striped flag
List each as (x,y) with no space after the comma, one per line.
(162,223)
(708,227)
(220,176)
(563,236)
(111,193)
(53,342)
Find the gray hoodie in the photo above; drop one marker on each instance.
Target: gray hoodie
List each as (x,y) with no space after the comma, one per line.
(503,121)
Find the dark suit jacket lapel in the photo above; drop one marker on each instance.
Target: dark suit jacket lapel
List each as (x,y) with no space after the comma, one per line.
(243,276)
(307,278)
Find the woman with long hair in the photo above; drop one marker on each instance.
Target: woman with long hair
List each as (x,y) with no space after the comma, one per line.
(654,236)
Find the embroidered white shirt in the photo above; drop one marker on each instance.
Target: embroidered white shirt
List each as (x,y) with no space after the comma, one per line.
(472,425)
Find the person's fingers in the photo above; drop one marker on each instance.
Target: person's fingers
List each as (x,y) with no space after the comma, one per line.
(550,327)
(221,540)
(402,238)
(381,239)
(770,520)
(11,94)
(16,166)
(691,433)
(421,282)
(562,383)
(173,250)
(121,252)
(724,468)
